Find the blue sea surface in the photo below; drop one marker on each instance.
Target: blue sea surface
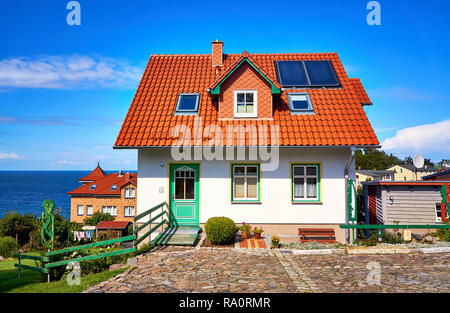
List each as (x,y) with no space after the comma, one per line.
(24,191)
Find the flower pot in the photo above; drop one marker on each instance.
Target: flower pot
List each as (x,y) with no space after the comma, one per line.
(246,234)
(257,235)
(275,246)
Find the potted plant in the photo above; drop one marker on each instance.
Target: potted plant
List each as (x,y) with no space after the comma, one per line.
(257,232)
(275,241)
(245,230)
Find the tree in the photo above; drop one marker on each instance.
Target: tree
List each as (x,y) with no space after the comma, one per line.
(372,158)
(18,226)
(97,217)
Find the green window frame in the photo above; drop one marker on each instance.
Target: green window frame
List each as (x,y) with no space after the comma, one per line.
(245,174)
(303,176)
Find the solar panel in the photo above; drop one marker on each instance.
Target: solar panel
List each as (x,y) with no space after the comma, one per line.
(321,73)
(187,103)
(291,73)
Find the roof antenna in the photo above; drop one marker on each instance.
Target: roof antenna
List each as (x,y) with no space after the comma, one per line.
(418,162)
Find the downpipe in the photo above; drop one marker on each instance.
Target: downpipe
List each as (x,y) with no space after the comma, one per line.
(347,168)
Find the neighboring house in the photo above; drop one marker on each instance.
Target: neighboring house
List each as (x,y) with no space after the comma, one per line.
(113,229)
(406,172)
(110,193)
(443,174)
(373,175)
(303,106)
(415,202)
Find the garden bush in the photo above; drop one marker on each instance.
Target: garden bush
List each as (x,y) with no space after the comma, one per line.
(97,217)
(8,246)
(18,226)
(220,230)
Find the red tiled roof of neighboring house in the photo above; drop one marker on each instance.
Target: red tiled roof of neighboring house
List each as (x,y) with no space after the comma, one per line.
(339,118)
(97,173)
(103,185)
(112,225)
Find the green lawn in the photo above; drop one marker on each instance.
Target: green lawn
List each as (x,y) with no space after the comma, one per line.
(32,282)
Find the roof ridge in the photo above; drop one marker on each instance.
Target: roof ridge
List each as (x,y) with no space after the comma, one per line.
(238,54)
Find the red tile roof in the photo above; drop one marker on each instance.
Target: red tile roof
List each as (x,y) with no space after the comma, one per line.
(104,185)
(112,225)
(339,117)
(97,173)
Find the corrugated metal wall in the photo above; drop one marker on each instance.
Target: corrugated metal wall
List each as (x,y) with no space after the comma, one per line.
(410,204)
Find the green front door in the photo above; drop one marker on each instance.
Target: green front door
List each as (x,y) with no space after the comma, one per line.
(184,194)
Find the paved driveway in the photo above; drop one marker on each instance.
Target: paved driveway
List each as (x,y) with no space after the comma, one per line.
(236,270)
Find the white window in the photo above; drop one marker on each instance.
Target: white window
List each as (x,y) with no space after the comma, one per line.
(129,211)
(130,192)
(439,212)
(89,210)
(80,210)
(112,210)
(245,103)
(305,182)
(245,182)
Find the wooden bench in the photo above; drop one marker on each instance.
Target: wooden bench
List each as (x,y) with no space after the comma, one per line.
(321,235)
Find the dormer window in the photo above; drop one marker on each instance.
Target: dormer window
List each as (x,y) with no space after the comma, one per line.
(113,187)
(93,186)
(245,103)
(187,103)
(300,103)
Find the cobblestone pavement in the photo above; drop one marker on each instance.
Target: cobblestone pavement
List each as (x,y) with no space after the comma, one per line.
(413,272)
(259,270)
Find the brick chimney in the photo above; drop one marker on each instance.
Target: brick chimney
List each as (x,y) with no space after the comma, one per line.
(217,53)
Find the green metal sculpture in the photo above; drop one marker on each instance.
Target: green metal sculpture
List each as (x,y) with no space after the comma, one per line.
(48,224)
(351,198)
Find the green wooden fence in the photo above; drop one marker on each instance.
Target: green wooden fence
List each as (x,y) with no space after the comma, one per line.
(382,226)
(46,260)
(150,221)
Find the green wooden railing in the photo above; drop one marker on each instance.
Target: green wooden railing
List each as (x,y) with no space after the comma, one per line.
(382,226)
(150,221)
(46,259)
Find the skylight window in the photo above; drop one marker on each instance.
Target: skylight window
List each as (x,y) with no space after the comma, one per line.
(306,74)
(113,187)
(300,102)
(93,186)
(188,103)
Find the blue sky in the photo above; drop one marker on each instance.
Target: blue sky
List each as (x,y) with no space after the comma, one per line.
(64,90)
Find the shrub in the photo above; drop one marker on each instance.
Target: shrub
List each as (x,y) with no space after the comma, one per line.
(18,226)
(97,217)
(144,248)
(8,246)
(220,230)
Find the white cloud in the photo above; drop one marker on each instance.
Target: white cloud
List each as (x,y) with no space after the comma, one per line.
(8,156)
(74,71)
(423,139)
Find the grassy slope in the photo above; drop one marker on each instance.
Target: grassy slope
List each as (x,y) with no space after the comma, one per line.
(32,281)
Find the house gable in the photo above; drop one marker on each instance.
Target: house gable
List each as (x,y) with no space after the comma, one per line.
(245,78)
(215,88)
